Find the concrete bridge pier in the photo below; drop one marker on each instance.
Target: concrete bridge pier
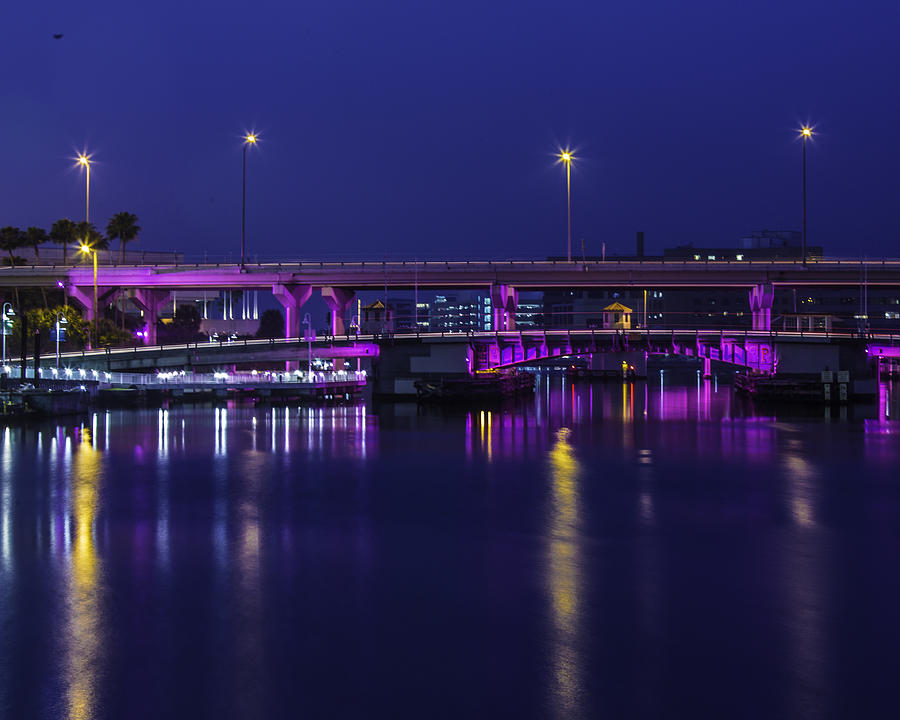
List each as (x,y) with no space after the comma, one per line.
(85,298)
(151,302)
(505,300)
(339,301)
(292,298)
(761,297)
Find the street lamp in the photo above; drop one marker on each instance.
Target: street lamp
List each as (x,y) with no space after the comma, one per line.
(310,336)
(805,134)
(249,140)
(85,161)
(85,248)
(6,315)
(60,321)
(566,157)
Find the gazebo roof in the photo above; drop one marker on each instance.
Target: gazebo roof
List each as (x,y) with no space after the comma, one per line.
(617,307)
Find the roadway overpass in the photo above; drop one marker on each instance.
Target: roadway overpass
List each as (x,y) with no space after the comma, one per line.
(292,283)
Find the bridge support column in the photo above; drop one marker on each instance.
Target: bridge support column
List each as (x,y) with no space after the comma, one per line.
(85,298)
(761,297)
(151,302)
(505,300)
(338,301)
(292,299)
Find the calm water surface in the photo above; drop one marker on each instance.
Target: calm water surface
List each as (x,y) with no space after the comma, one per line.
(607,551)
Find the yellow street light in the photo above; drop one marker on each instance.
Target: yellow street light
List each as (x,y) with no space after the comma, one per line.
(566,157)
(806,133)
(85,248)
(85,162)
(249,139)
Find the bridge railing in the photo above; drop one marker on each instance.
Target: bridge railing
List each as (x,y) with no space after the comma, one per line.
(297,377)
(889,337)
(206,260)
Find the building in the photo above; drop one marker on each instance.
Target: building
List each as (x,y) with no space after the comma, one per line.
(530,311)
(759,245)
(376,319)
(465,311)
(586,307)
(617,316)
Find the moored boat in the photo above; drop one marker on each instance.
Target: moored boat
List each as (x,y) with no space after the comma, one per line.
(483,386)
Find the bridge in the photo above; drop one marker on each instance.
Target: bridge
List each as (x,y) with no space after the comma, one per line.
(396,361)
(150,287)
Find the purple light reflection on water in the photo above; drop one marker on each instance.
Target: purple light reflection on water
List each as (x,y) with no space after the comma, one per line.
(593,552)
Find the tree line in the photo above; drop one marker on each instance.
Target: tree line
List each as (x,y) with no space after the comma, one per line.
(122,226)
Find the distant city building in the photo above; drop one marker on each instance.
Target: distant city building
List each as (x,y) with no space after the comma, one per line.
(403,315)
(423,316)
(723,307)
(585,308)
(761,245)
(530,311)
(461,312)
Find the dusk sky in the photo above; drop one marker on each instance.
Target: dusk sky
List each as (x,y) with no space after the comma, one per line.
(427,129)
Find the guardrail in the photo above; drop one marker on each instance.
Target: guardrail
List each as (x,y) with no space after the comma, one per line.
(888,337)
(270,264)
(254,378)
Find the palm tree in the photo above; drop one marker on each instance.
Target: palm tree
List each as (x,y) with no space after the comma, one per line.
(63,233)
(11,239)
(124,226)
(87,234)
(34,238)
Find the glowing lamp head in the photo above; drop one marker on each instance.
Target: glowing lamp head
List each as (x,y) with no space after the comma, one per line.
(806,132)
(83,160)
(250,139)
(85,248)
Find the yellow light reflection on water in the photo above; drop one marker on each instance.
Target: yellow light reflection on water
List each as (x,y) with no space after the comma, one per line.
(83,632)
(254,471)
(564,574)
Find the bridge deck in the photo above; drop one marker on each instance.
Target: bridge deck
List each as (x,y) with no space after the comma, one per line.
(523,274)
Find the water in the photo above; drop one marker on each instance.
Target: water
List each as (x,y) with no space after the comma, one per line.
(606,551)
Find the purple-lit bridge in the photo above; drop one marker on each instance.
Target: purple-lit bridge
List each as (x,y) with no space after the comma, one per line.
(426,354)
(150,287)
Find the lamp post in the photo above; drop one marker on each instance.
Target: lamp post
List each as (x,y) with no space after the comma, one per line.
(85,248)
(60,321)
(309,338)
(249,139)
(85,161)
(805,134)
(6,314)
(566,157)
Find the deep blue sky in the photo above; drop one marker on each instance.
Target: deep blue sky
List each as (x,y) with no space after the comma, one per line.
(427,128)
